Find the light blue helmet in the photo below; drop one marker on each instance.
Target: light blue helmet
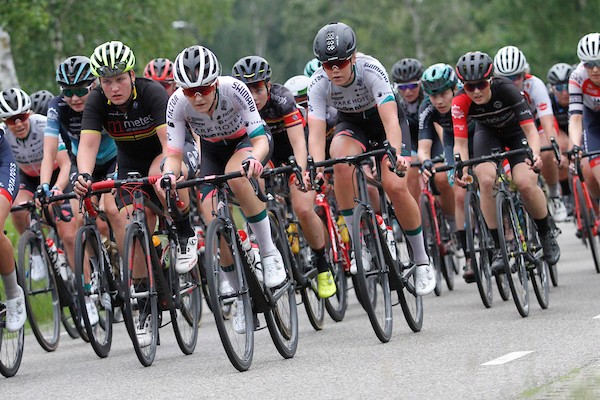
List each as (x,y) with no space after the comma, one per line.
(438,78)
(74,70)
(311,67)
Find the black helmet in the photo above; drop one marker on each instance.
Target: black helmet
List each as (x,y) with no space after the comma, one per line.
(40,100)
(335,41)
(251,69)
(474,66)
(407,70)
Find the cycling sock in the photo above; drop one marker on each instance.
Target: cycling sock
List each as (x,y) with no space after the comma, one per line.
(566,188)
(553,190)
(542,225)
(11,287)
(348,219)
(262,230)
(462,240)
(494,233)
(415,238)
(320,260)
(183,225)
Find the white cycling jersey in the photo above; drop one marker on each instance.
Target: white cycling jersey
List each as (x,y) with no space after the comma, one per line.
(234,116)
(30,151)
(370,88)
(582,92)
(536,94)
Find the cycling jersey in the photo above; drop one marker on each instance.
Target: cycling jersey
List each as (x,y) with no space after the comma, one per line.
(280,113)
(561,113)
(63,121)
(28,152)
(411,111)
(235,115)
(583,92)
(9,178)
(536,95)
(134,130)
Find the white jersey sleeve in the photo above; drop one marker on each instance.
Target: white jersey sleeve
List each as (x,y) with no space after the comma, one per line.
(537,97)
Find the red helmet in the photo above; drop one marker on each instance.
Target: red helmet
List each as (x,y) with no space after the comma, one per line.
(159,69)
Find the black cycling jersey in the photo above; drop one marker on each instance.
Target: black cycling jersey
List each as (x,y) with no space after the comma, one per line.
(560,113)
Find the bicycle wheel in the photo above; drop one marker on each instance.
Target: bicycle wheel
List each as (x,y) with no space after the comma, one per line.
(372,276)
(503,286)
(93,295)
(140,309)
(237,338)
(447,249)
(513,246)
(477,248)
(41,295)
(536,265)
(68,322)
(337,304)
(282,320)
(188,301)
(587,225)
(11,343)
(410,302)
(429,224)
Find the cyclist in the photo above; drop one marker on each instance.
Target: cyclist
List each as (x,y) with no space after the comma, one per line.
(298,85)
(40,100)
(9,184)
(161,70)
(510,62)
(221,111)
(278,109)
(584,103)
(358,86)
(133,112)
(311,67)
(406,74)
(558,82)
(439,82)
(502,119)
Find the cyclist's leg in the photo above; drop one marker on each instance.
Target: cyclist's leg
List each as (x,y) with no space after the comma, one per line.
(20,219)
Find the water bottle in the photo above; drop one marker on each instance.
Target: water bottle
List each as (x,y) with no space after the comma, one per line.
(52,251)
(160,241)
(292,232)
(389,235)
(62,265)
(343,229)
(252,254)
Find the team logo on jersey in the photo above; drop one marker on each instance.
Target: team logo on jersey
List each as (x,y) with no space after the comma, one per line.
(457,112)
(542,106)
(498,104)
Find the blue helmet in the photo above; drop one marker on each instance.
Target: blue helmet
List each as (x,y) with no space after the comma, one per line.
(74,70)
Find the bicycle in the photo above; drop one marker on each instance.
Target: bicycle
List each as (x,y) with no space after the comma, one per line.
(436,230)
(235,312)
(521,250)
(11,343)
(585,211)
(49,299)
(158,288)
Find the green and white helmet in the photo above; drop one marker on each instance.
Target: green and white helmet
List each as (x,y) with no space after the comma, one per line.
(298,85)
(438,78)
(111,59)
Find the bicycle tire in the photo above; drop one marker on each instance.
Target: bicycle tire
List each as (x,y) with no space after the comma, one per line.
(372,280)
(503,286)
(539,271)
(239,347)
(307,286)
(428,224)
(587,222)
(410,302)
(41,296)
(11,343)
(478,249)
(88,252)
(337,304)
(282,320)
(139,295)
(188,304)
(449,249)
(511,244)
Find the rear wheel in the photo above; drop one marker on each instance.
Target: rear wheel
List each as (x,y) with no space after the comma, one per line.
(337,304)
(11,343)
(41,294)
(411,303)
(448,251)
(477,248)
(372,275)
(235,330)
(513,246)
(140,309)
(428,222)
(313,304)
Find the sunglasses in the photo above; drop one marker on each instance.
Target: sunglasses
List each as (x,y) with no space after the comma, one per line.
(15,118)
(117,69)
(515,77)
(471,87)
(592,64)
(78,91)
(201,90)
(407,86)
(340,64)
(561,87)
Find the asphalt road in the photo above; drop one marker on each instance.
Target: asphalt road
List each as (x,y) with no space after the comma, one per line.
(454,356)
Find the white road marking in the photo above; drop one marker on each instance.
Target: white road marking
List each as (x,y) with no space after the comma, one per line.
(596,317)
(507,358)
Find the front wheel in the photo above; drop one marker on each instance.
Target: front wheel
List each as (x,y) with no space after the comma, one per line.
(372,275)
(430,234)
(11,343)
(587,222)
(41,294)
(537,267)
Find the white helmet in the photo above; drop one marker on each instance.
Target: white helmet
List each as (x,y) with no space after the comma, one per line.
(509,61)
(13,102)
(588,48)
(298,85)
(196,66)
(559,73)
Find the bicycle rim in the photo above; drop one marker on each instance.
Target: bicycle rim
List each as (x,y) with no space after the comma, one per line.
(140,298)
(477,249)
(186,316)
(429,235)
(41,296)
(11,343)
(587,223)
(512,247)
(372,277)
(239,345)
(337,304)
(538,273)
